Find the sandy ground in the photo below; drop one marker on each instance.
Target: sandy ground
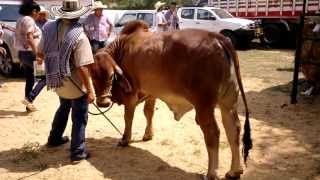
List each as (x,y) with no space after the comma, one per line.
(286,137)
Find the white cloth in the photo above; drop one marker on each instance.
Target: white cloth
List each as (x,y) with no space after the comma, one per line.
(316,28)
(1,34)
(160,19)
(26,25)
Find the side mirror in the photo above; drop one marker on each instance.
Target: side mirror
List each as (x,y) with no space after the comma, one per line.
(117,25)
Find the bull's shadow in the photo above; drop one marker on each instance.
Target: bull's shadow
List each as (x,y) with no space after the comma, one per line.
(284,126)
(114,162)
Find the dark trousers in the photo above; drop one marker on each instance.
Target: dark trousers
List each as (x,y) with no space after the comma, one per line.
(95,45)
(27,58)
(79,115)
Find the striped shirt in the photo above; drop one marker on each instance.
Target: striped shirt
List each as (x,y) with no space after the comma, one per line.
(97,28)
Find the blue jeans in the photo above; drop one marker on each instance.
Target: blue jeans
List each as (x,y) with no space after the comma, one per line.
(79,117)
(27,58)
(95,45)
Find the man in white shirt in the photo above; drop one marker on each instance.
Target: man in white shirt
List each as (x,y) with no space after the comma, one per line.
(161,22)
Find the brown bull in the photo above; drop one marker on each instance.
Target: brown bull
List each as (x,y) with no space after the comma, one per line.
(186,69)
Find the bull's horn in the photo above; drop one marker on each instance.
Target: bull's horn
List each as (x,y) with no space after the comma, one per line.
(118,70)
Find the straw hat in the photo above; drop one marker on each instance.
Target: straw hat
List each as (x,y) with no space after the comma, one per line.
(99,5)
(70,9)
(43,10)
(158,5)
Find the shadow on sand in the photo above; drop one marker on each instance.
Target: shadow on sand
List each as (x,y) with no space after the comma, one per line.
(294,128)
(114,162)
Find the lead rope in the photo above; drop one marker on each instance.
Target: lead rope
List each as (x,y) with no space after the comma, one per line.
(100,111)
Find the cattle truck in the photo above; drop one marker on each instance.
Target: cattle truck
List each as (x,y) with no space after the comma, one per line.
(279,19)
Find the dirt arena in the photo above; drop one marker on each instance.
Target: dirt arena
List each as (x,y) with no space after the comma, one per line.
(286,137)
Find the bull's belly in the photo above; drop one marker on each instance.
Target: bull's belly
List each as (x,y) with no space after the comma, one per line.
(176,103)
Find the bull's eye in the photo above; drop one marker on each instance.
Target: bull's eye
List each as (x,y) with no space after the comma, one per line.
(110,79)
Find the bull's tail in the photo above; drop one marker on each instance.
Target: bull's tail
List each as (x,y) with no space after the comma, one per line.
(246,139)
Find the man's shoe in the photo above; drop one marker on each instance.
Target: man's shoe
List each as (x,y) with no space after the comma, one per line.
(78,159)
(56,143)
(29,106)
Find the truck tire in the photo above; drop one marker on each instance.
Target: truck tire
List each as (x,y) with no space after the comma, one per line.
(272,35)
(7,67)
(232,37)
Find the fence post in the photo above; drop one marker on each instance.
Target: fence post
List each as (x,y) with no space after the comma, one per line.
(297,59)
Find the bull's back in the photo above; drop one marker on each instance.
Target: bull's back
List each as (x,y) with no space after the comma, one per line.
(182,63)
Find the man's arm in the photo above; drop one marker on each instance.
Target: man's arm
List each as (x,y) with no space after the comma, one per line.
(31,42)
(86,80)
(83,58)
(110,27)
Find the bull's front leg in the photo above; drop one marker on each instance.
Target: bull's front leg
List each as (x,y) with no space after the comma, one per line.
(148,113)
(128,117)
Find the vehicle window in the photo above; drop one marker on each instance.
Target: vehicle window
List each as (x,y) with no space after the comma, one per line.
(222,13)
(204,14)
(147,17)
(9,12)
(127,18)
(187,13)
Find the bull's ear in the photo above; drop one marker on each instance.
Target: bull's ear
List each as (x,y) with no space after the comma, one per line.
(125,84)
(123,81)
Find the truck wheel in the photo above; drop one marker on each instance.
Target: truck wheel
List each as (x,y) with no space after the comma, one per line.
(232,37)
(7,67)
(272,35)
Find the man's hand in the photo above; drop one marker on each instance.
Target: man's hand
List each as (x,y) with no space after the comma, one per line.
(90,97)
(39,60)
(3,52)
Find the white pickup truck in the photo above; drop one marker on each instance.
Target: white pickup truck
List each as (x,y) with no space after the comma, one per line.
(240,31)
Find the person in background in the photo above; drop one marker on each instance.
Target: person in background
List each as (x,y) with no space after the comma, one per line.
(27,39)
(3,51)
(172,17)
(42,17)
(161,22)
(98,27)
(66,51)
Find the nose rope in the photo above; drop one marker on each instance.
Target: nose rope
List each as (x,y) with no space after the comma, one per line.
(100,111)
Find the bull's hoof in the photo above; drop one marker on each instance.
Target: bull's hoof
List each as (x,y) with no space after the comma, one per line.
(147,137)
(123,143)
(234,175)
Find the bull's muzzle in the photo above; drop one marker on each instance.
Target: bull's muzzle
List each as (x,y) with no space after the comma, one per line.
(104,101)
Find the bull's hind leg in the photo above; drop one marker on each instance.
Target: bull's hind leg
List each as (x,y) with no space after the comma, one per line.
(205,118)
(231,123)
(148,112)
